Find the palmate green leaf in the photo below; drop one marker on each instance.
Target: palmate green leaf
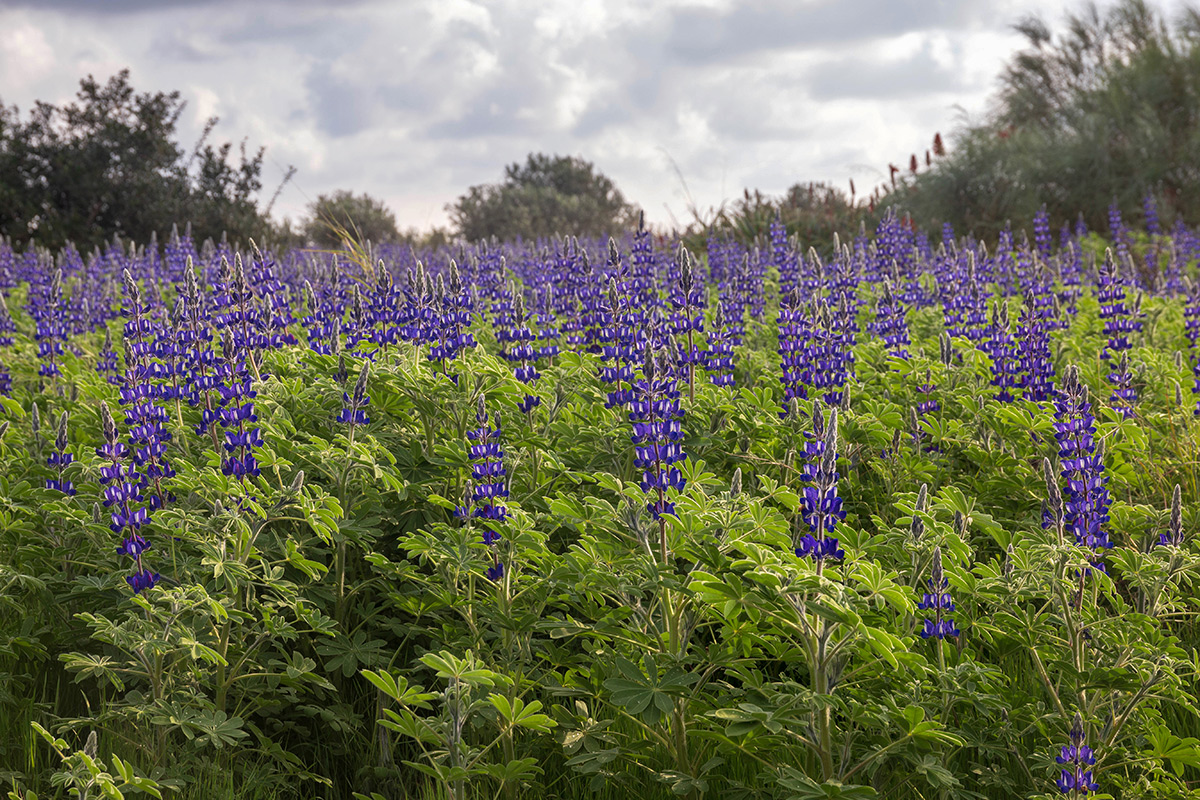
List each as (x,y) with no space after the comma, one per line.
(1179,752)
(447,666)
(921,729)
(345,653)
(204,726)
(89,666)
(647,694)
(747,718)
(521,715)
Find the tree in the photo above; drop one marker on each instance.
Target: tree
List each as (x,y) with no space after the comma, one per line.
(108,164)
(362,217)
(1107,109)
(546,196)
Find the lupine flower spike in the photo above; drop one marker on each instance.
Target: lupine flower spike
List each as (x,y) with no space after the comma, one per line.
(655,414)
(122,489)
(1085,499)
(938,600)
(1075,777)
(354,405)
(488,486)
(820,504)
(59,460)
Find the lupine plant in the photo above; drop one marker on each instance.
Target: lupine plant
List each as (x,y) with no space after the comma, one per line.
(262,530)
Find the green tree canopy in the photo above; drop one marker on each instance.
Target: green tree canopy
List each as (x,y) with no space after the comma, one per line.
(545,196)
(108,164)
(360,216)
(1107,108)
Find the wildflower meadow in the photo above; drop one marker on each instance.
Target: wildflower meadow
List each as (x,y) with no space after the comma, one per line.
(912,517)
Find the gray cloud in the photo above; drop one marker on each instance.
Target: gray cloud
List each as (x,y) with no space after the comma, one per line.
(418,100)
(705,35)
(917,75)
(338,107)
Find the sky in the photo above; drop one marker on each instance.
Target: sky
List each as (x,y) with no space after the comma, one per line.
(683,103)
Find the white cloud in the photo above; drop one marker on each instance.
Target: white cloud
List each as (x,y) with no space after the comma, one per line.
(25,56)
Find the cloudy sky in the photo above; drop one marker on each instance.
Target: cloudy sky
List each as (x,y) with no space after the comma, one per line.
(413,101)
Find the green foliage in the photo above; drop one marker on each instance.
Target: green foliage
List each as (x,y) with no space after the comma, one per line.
(328,629)
(544,197)
(1107,109)
(365,218)
(812,212)
(108,163)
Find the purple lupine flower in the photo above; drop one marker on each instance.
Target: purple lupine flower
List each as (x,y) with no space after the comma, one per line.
(1003,349)
(106,362)
(640,290)
(200,361)
(237,411)
(718,358)
(783,255)
(7,329)
(354,404)
(687,318)
(1124,396)
(59,460)
(1035,365)
(622,333)
(547,326)
(143,580)
(1086,498)
(1041,233)
(794,331)
(276,309)
(656,417)
(1150,209)
(145,420)
(7,326)
(821,508)
(517,339)
(827,354)
(488,486)
(1075,778)
(890,324)
(50,331)
(123,488)
(938,600)
(1120,318)
(449,334)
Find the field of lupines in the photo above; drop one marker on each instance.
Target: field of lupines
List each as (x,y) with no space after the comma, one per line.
(902,520)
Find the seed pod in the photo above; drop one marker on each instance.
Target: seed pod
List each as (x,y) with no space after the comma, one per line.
(1175,526)
(1053,493)
(917,527)
(735,483)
